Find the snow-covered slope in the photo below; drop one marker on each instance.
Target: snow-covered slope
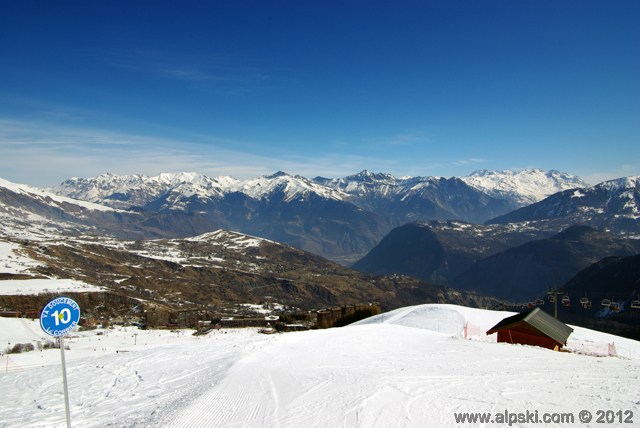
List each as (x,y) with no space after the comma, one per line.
(394,370)
(523,187)
(623,193)
(24,287)
(31,213)
(49,198)
(13,259)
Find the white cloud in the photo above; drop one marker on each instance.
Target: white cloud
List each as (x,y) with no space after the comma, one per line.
(469,161)
(233,73)
(400,139)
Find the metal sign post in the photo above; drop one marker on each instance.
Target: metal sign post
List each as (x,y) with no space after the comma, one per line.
(58,318)
(64,382)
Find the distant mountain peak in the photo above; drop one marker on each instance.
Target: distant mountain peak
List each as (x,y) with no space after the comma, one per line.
(524,187)
(368,176)
(631,182)
(278,174)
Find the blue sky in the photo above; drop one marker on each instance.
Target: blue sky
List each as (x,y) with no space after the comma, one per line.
(246,88)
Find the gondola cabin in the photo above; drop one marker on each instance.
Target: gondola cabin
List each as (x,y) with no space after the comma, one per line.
(535,327)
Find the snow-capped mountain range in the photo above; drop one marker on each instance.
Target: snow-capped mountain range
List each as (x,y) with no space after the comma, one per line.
(341,219)
(518,187)
(124,191)
(523,187)
(393,201)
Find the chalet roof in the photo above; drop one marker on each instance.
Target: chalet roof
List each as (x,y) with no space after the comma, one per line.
(540,321)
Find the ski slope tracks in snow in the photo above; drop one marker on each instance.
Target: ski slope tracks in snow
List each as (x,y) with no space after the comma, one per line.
(407,368)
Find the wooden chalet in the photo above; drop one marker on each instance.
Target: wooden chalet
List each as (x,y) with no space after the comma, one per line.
(534,327)
(10,314)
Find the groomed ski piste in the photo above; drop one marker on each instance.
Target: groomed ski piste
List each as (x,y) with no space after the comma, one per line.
(411,367)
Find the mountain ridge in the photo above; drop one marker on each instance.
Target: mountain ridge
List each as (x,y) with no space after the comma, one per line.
(504,184)
(341,219)
(611,205)
(526,186)
(527,271)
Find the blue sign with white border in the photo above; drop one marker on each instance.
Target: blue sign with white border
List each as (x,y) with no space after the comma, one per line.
(60,316)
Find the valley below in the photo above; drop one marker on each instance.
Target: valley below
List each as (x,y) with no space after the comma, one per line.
(188,242)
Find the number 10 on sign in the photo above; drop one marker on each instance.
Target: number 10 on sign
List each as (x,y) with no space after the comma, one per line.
(63,316)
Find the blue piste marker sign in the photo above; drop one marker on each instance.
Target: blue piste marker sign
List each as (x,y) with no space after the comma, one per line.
(60,316)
